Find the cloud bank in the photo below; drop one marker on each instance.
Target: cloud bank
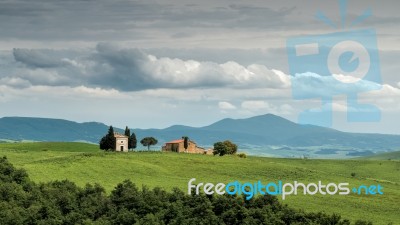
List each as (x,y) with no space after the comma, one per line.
(108,66)
(129,70)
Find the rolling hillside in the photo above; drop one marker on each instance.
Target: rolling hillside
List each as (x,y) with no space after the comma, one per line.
(84,163)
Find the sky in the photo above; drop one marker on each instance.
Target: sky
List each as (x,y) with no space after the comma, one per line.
(153,64)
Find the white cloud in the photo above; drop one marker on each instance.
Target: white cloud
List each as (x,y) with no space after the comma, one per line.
(226,106)
(97,92)
(171,73)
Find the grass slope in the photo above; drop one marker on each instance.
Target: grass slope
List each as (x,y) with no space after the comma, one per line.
(384,156)
(84,163)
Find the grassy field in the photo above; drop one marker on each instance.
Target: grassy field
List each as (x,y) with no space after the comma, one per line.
(385,156)
(84,163)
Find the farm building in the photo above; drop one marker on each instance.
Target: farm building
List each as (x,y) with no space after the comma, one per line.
(178,146)
(121,142)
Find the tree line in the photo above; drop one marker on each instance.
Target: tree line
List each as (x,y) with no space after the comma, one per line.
(23,201)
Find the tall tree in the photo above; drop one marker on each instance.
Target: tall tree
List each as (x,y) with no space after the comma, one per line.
(108,141)
(148,141)
(131,138)
(110,131)
(185,142)
(127,132)
(132,141)
(103,143)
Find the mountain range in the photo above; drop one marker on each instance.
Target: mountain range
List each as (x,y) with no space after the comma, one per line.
(254,132)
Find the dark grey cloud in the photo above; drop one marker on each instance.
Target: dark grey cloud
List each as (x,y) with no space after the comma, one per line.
(124,20)
(120,69)
(71,20)
(229,16)
(261,17)
(37,59)
(156,23)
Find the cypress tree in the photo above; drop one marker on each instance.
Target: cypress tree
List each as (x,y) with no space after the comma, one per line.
(132,141)
(110,139)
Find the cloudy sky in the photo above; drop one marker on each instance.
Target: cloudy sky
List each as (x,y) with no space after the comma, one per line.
(158,63)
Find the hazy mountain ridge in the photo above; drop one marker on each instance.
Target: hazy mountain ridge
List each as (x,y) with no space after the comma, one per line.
(264,130)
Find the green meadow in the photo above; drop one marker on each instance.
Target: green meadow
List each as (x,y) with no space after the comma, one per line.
(85,163)
(385,156)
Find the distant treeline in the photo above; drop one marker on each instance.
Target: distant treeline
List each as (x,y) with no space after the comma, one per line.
(62,202)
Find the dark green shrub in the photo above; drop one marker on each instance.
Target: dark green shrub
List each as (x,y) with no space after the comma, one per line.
(242,155)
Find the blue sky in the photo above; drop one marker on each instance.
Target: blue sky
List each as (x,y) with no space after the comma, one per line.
(159,63)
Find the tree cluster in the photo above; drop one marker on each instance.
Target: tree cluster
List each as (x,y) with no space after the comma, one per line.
(62,202)
(225,148)
(107,142)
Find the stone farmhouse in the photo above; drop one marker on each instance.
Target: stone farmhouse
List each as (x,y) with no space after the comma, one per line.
(178,146)
(121,142)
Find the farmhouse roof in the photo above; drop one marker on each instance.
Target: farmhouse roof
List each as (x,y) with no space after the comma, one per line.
(177,141)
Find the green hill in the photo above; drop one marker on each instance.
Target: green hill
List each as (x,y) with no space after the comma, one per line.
(45,129)
(384,156)
(84,163)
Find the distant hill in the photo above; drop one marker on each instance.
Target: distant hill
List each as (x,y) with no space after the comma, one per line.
(258,131)
(272,130)
(43,129)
